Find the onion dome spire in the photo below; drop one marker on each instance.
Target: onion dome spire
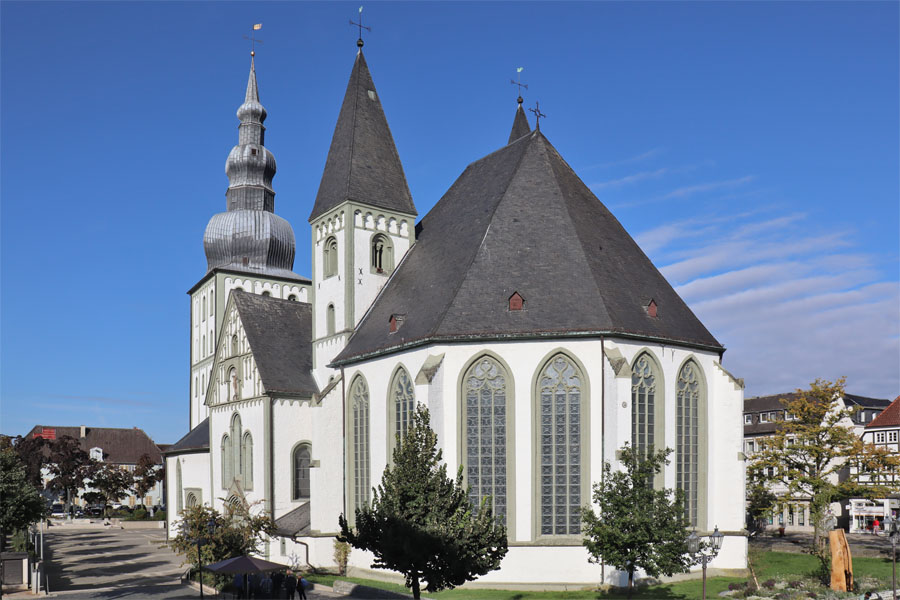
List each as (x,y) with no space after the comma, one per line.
(249,236)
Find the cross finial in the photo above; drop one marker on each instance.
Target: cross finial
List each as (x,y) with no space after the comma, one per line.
(253,40)
(359,42)
(537,115)
(518,81)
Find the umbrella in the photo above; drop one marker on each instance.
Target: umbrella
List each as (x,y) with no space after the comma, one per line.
(244,564)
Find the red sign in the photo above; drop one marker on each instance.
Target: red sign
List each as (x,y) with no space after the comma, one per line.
(48,433)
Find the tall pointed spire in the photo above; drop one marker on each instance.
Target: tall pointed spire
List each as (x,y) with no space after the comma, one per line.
(520,123)
(363,164)
(249,236)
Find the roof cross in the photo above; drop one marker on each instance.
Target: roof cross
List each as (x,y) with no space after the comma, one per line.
(518,81)
(537,115)
(253,40)
(359,42)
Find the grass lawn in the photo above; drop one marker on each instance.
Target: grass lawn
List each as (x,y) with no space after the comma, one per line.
(783,566)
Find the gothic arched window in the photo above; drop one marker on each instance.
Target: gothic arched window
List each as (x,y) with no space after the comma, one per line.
(485,405)
(382,254)
(192,500)
(689,406)
(237,455)
(359,438)
(329,320)
(179,500)
(301,459)
(560,405)
(227,462)
(247,458)
(330,258)
(401,403)
(645,422)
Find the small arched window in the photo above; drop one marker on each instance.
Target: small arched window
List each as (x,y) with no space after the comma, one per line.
(203,311)
(179,500)
(292,297)
(202,345)
(266,293)
(247,459)
(302,459)
(191,500)
(330,258)
(329,320)
(382,254)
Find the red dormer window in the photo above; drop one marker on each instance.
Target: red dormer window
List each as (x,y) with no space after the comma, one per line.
(396,322)
(516,302)
(651,309)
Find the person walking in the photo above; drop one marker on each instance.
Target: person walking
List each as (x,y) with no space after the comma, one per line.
(290,585)
(302,584)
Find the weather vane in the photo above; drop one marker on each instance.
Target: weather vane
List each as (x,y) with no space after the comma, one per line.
(252,38)
(518,82)
(537,115)
(359,42)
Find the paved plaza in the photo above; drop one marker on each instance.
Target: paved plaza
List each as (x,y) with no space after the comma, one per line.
(118,563)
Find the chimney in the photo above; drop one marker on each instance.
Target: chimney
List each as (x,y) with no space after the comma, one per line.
(83,431)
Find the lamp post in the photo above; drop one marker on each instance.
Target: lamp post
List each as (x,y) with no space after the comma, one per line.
(892,528)
(705,551)
(210,526)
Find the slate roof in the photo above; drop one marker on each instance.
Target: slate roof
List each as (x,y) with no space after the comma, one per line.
(296,522)
(280,337)
(889,417)
(520,124)
(854,400)
(363,163)
(120,446)
(195,439)
(520,220)
(764,404)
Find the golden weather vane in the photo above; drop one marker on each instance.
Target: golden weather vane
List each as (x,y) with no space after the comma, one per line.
(252,38)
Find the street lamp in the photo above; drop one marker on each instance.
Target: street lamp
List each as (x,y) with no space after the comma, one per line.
(892,528)
(705,551)
(210,527)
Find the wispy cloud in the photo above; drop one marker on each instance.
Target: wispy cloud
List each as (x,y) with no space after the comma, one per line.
(690,190)
(792,304)
(629,179)
(628,161)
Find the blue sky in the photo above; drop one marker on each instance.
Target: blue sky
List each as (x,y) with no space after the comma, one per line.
(750,148)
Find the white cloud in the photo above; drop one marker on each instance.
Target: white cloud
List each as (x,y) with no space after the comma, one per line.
(627,161)
(690,190)
(629,179)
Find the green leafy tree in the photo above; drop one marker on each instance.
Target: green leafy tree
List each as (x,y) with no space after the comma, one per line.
(20,502)
(112,481)
(637,526)
(146,475)
(69,465)
(33,453)
(816,456)
(760,502)
(238,531)
(421,523)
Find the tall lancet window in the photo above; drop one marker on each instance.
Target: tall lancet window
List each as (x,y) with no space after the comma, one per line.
(485,404)
(401,403)
(302,459)
(179,493)
(247,457)
(359,438)
(560,392)
(688,420)
(330,257)
(644,421)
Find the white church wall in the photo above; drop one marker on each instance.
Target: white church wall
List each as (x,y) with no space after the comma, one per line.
(194,474)
(367,283)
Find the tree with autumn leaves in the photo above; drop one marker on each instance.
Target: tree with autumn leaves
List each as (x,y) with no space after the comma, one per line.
(816,456)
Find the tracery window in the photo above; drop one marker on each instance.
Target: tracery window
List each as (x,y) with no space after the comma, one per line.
(302,459)
(643,404)
(330,257)
(382,254)
(687,435)
(560,406)
(485,391)
(401,405)
(359,421)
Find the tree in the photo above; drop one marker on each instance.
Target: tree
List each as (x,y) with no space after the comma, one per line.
(637,526)
(421,523)
(235,532)
(112,481)
(69,465)
(20,502)
(33,453)
(146,474)
(760,501)
(816,456)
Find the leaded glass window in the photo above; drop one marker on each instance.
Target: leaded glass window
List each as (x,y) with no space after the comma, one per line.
(302,459)
(359,414)
(485,409)
(227,456)
(179,500)
(403,402)
(247,457)
(643,404)
(560,390)
(687,434)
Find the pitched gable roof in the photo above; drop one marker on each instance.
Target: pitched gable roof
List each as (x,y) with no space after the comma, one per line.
(520,220)
(280,336)
(120,446)
(889,417)
(363,163)
(194,440)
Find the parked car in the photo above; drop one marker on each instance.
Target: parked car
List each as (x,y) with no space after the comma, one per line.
(94,510)
(58,510)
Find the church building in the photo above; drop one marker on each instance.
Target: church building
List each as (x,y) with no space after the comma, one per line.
(518,310)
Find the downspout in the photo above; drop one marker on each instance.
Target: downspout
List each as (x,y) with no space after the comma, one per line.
(602,436)
(344,436)
(306,546)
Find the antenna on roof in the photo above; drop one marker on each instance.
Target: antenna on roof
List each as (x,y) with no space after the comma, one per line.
(518,81)
(359,42)
(537,115)
(253,40)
